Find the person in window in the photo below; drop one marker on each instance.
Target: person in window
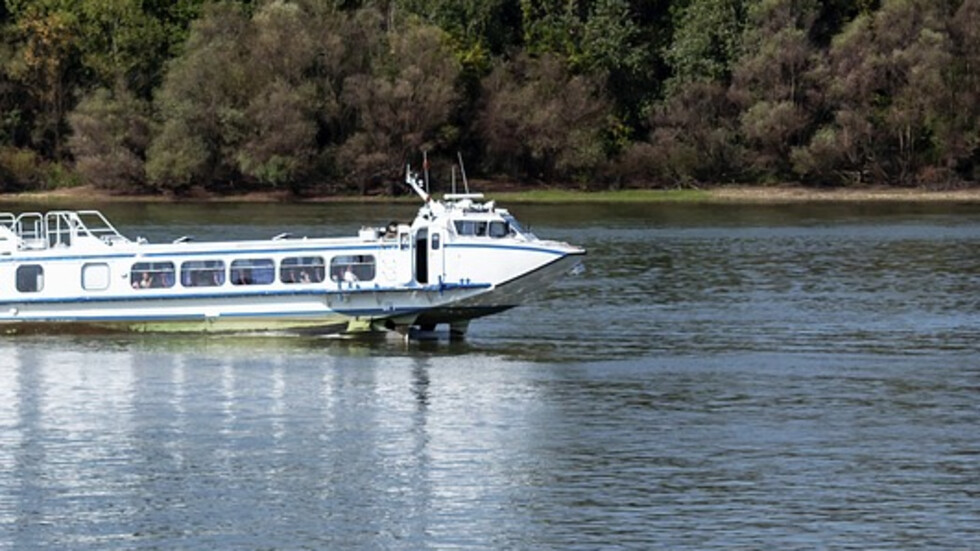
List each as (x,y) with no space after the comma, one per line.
(243,277)
(392,230)
(349,275)
(145,281)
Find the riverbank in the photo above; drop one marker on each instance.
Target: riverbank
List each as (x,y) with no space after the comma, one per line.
(87,195)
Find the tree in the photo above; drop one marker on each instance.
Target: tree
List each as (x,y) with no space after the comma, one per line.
(771,83)
(542,121)
(110,134)
(959,138)
(46,54)
(402,107)
(121,44)
(694,138)
(201,104)
(889,97)
(278,127)
(477,28)
(706,41)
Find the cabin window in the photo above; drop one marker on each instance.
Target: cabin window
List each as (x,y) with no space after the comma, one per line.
(202,273)
(498,229)
(152,275)
(30,278)
(352,268)
(302,269)
(435,242)
(470,227)
(253,271)
(95,277)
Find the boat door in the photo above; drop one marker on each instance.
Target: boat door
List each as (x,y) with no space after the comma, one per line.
(422,255)
(428,256)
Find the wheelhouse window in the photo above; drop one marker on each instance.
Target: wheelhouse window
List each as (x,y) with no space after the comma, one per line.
(95,277)
(495,228)
(515,227)
(302,269)
(352,268)
(152,275)
(499,229)
(470,227)
(253,271)
(30,278)
(202,273)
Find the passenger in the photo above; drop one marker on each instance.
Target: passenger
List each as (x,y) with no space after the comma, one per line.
(349,275)
(304,277)
(392,230)
(145,282)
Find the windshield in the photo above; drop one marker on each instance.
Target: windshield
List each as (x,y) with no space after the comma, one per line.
(516,227)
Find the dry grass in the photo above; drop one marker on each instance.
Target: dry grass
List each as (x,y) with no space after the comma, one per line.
(69,197)
(803,195)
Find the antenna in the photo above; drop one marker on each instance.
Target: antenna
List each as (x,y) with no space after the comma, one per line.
(454,179)
(425,169)
(462,171)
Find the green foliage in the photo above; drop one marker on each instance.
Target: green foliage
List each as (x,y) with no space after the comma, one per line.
(19,169)
(707,40)
(43,64)
(610,39)
(402,107)
(542,119)
(695,137)
(771,82)
(489,26)
(315,95)
(201,103)
(889,95)
(121,44)
(110,135)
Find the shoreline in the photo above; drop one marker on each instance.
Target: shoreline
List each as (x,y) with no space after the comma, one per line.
(510,194)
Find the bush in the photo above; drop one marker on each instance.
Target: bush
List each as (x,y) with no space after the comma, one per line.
(20,169)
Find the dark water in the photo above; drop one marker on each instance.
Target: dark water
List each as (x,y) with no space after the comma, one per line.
(720,377)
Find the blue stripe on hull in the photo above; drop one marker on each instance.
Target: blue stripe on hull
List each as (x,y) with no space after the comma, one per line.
(140,297)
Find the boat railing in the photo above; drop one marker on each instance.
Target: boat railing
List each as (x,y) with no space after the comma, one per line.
(59,228)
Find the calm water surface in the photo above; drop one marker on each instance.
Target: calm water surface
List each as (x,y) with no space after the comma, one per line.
(785,377)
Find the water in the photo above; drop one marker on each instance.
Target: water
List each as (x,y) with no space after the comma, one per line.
(720,377)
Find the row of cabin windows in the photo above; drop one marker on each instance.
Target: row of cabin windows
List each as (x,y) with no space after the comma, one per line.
(496,228)
(212,273)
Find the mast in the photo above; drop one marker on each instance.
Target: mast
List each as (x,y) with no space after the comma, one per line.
(462,171)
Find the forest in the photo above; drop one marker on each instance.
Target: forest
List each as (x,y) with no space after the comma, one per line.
(336,96)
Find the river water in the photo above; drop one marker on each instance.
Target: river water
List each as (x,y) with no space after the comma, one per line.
(782,377)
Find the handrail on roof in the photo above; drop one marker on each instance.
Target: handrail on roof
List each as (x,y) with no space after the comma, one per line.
(59,227)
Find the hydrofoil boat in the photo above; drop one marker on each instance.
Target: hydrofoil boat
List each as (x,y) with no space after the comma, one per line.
(461,258)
